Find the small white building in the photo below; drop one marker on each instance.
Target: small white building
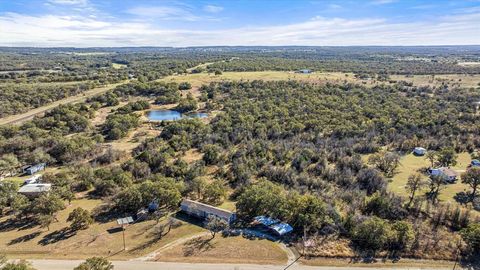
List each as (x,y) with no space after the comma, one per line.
(419,151)
(34,190)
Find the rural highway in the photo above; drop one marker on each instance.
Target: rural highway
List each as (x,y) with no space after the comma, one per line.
(141,265)
(20,118)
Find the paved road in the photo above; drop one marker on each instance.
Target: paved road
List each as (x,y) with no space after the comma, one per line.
(141,265)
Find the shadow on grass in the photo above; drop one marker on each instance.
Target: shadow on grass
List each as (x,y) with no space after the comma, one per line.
(188,219)
(471,262)
(24,238)
(196,246)
(16,224)
(159,231)
(104,214)
(57,236)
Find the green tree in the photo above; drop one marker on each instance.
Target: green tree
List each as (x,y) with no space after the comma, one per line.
(187,104)
(435,184)
(402,235)
(472,178)
(307,212)
(215,225)
(372,234)
(20,204)
(45,220)
(471,235)
(215,192)
(184,86)
(262,198)
(95,263)
(20,265)
(431,156)
(447,157)
(211,154)
(80,218)
(9,163)
(8,190)
(414,184)
(46,207)
(387,162)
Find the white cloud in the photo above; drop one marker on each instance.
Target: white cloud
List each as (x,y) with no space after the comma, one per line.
(69,2)
(177,13)
(334,6)
(212,8)
(382,2)
(84,31)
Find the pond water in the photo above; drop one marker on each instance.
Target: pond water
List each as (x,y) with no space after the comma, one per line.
(161,115)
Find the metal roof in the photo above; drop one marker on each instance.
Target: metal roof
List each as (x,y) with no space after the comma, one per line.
(281,228)
(194,205)
(124,221)
(35,188)
(278,227)
(267,221)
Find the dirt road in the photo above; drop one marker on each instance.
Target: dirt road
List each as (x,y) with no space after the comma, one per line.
(20,118)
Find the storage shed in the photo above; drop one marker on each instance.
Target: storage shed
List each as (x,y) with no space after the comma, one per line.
(35,168)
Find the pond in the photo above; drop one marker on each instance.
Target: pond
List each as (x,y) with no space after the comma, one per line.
(162,115)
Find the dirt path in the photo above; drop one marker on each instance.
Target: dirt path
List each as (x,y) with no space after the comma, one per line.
(20,118)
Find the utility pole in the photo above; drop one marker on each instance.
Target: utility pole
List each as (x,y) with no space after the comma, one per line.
(123,232)
(123,222)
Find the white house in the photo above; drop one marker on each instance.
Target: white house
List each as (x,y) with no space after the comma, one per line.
(202,210)
(448,174)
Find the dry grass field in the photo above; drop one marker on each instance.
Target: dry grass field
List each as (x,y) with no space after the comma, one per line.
(204,78)
(197,79)
(235,249)
(387,264)
(458,80)
(101,239)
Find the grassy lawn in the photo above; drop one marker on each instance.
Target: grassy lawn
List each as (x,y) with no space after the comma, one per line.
(118,66)
(409,164)
(228,205)
(101,239)
(225,250)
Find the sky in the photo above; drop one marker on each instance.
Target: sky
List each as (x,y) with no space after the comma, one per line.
(182,23)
